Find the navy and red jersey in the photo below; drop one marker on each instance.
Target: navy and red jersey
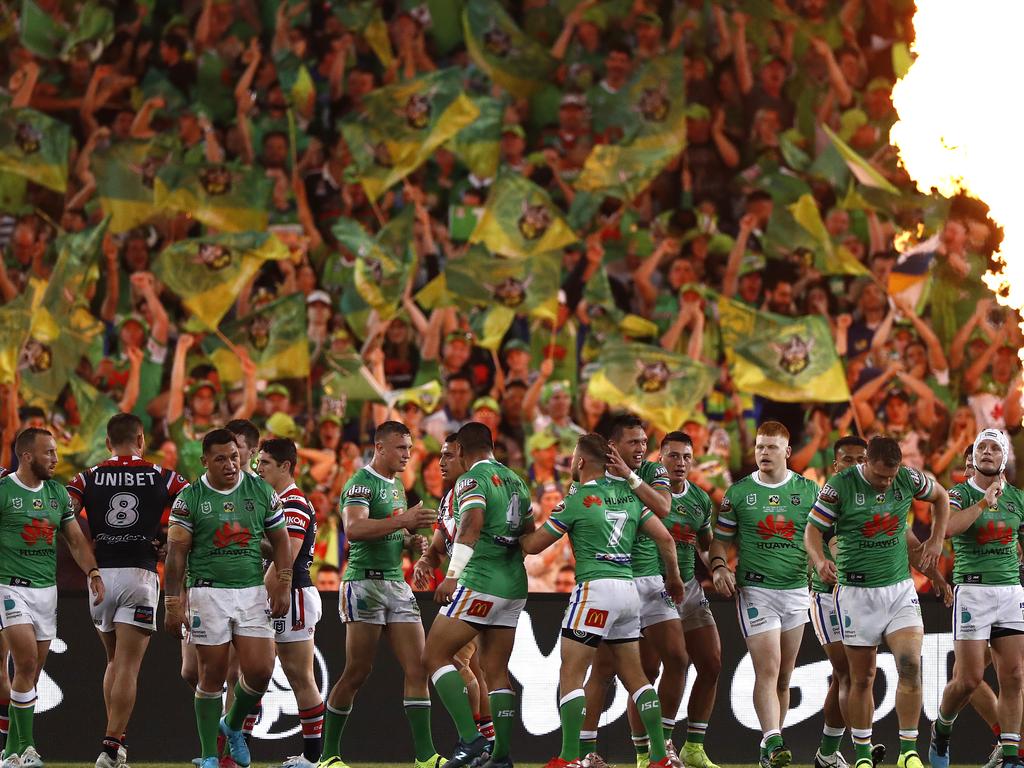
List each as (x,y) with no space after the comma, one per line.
(124,499)
(300,520)
(446,520)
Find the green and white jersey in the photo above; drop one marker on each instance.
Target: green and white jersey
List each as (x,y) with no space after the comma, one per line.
(767,522)
(602,519)
(29,521)
(646,561)
(986,553)
(496,567)
(870,524)
(379,558)
(691,514)
(226,528)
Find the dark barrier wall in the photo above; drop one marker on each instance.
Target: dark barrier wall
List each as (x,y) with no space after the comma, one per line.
(71,717)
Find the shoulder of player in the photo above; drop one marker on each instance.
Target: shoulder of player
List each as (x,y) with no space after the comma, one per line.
(698,494)
(652,469)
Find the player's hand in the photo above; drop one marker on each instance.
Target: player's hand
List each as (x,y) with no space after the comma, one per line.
(994,491)
(930,553)
(942,589)
(97,589)
(826,571)
(418,517)
(724,580)
(280,600)
(175,619)
(616,465)
(674,587)
(443,594)
(421,573)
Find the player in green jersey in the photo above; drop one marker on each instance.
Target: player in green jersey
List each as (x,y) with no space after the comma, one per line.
(483,594)
(764,514)
(689,523)
(867,505)
(34,507)
(661,630)
(217,524)
(603,519)
(374,595)
(986,522)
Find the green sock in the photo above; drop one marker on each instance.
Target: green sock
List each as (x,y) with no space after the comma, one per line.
(571,711)
(588,742)
(695,731)
(649,707)
(771,741)
(908,741)
(19,732)
(334,724)
(244,703)
(861,743)
(208,707)
(830,741)
(944,725)
(417,711)
(503,710)
(641,744)
(668,726)
(1010,747)
(451,689)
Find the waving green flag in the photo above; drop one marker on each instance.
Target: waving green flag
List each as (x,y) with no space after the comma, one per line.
(623,172)
(662,387)
(225,197)
(75,274)
(35,146)
(477,145)
(348,379)
(125,174)
(520,220)
(52,352)
(656,105)
(511,58)
(829,259)
(402,125)
(274,336)
(365,18)
(87,446)
(209,272)
(861,169)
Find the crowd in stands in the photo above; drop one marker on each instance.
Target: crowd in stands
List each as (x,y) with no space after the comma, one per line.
(929,356)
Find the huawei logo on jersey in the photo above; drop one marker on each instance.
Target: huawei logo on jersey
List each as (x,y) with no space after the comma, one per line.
(684,534)
(231,533)
(36,530)
(776,525)
(999,532)
(879,524)
(590,501)
(496,481)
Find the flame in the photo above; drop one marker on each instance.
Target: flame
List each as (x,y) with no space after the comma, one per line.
(960,124)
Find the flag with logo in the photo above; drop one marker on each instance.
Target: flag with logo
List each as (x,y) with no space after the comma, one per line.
(125,174)
(75,272)
(477,145)
(15,325)
(402,124)
(520,220)
(51,354)
(510,57)
(606,322)
(35,146)
(274,336)
(829,259)
(87,446)
(655,104)
(426,396)
(624,172)
(229,198)
(662,387)
(365,18)
(208,273)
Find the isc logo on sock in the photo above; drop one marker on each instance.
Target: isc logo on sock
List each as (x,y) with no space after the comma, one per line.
(479,608)
(648,705)
(596,618)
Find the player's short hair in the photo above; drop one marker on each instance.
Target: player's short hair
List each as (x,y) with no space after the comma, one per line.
(621,423)
(26,439)
(885,450)
(217,437)
(281,449)
(389,428)
(451,437)
(773,429)
(969,452)
(592,447)
(327,568)
(848,441)
(123,428)
(475,437)
(676,437)
(246,430)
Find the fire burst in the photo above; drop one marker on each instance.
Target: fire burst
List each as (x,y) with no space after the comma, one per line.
(961,128)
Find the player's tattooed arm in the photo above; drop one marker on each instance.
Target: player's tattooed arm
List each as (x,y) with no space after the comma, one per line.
(960,519)
(658,533)
(538,540)
(81,551)
(940,520)
(466,537)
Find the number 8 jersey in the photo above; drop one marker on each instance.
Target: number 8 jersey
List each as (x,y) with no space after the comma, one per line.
(496,567)
(124,500)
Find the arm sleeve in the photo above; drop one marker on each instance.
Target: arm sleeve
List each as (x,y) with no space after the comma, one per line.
(705,504)
(725,526)
(825,511)
(469,495)
(274,518)
(181,514)
(956,498)
(920,482)
(356,495)
(297,516)
(67,514)
(76,488)
(561,519)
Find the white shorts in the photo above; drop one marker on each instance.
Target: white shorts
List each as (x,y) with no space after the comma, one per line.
(978,609)
(300,623)
(695,610)
(867,614)
(378,601)
(762,610)
(130,596)
(216,614)
(655,604)
(603,609)
(481,608)
(824,618)
(30,605)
